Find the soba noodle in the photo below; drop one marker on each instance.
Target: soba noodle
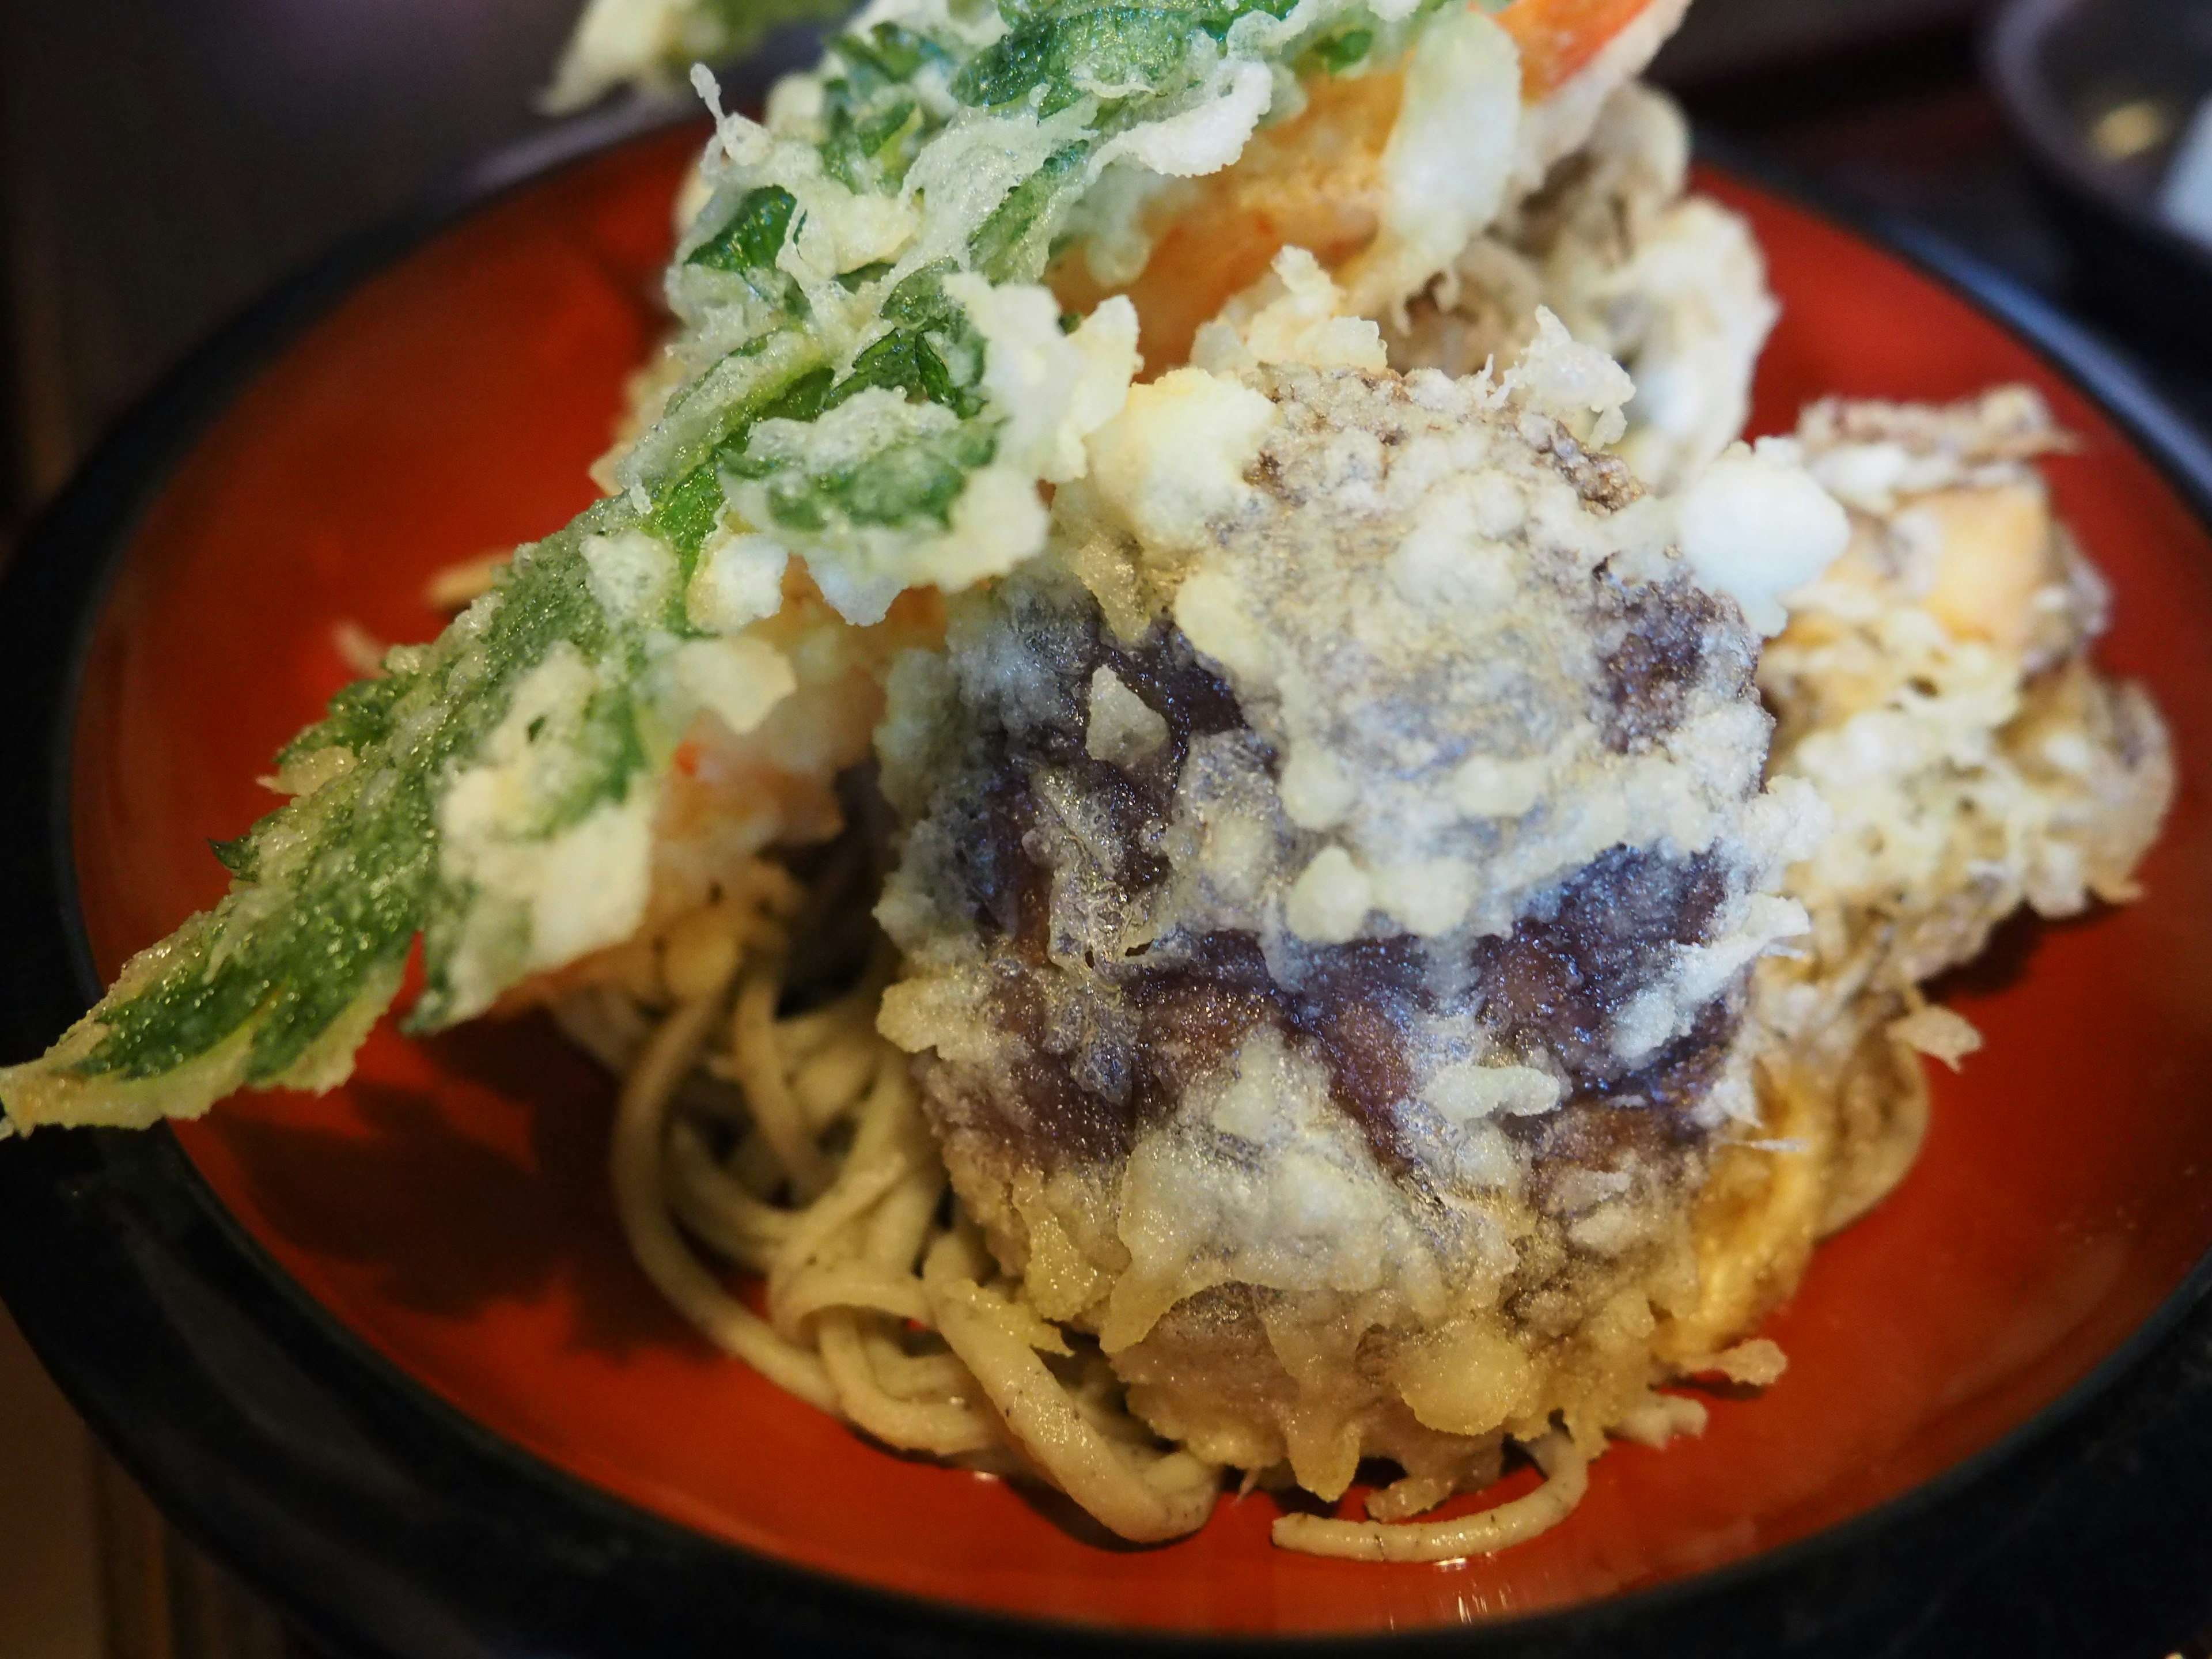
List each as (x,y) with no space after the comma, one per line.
(791,1149)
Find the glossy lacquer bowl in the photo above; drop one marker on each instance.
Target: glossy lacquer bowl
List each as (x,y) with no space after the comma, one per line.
(384,1349)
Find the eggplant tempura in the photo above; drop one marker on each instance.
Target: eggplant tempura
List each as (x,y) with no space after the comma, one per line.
(1405,856)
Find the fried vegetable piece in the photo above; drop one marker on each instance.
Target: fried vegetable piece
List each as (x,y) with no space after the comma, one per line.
(869,379)
(1331,880)
(1936,687)
(1634,262)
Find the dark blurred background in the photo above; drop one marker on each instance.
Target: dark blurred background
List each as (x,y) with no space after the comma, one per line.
(163,161)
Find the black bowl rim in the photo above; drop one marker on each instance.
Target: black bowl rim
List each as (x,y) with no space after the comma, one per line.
(382,1520)
(2011,41)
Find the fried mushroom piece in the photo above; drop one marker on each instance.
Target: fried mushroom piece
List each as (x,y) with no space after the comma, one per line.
(1633,262)
(1330,881)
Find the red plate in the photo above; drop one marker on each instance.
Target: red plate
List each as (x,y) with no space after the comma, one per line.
(449,1205)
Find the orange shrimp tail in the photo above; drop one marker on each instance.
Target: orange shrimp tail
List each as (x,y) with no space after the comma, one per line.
(1314,181)
(1558,37)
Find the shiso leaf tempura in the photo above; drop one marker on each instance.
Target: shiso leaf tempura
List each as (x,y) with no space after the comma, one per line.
(872,379)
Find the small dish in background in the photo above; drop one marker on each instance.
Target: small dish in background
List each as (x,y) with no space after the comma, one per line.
(2114,100)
